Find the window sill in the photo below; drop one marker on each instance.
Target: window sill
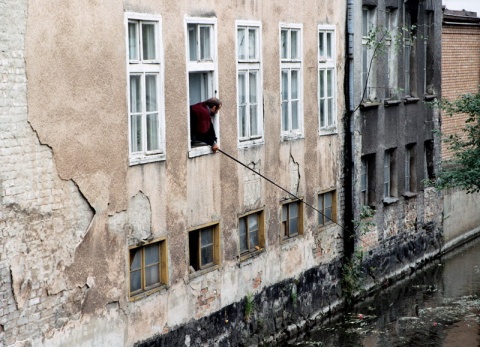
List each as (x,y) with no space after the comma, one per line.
(145,159)
(292,136)
(199,273)
(250,255)
(410,100)
(389,201)
(323,227)
(199,151)
(290,239)
(328,131)
(430,97)
(370,104)
(251,143)
(139,296)
(409,195)
(392,102)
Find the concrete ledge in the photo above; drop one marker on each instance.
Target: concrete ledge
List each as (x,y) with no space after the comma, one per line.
(459,241)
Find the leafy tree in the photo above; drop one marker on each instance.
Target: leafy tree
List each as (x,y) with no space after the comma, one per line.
(463,170)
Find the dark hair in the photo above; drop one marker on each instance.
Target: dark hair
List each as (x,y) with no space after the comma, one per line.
(212,102)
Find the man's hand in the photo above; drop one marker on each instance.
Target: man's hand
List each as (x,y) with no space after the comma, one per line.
(215,148)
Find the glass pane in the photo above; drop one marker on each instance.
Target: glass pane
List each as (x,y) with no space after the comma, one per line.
(207,237)
(132,41)
(253,87)
(253,239)
(363,176)
(330,111)
(253,120)
(241,44)
(252,47)
(365,22)
(295,122)
(322,83)
(284,213)
(284,44)
(294,44)
(136,133)
(285,123)
(135,94)
(205,43)
(285,116)
(135,281)
(243,120)
(242,88)
(192,42)
(329,45)
(293,226)
(364,67)
(207,255)
(242,108)
(295,84)
(321,44)
(253,230)
(151,254)
(152,132)
(151,92)
(320,208)
(152,275)
(328,207)
(330,82)
(135,259)
(148,35)
(243,235)
(284,85)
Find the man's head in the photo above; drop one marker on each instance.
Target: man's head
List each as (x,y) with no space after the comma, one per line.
(214,104)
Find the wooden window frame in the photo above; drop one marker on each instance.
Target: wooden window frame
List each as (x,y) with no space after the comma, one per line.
(285,224)
(195,249)
(323,220)
(261,234)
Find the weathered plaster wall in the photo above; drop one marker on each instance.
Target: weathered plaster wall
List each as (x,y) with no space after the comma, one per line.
(74,206)
(461,214)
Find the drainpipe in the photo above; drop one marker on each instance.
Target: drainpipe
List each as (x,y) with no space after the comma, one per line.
(348,167)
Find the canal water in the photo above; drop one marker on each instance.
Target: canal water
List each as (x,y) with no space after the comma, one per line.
(439,306)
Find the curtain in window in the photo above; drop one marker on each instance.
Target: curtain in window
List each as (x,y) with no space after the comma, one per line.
(253,230)
(294,44)
(135,270)
(285,123)
(205,43)
(253,103)
(152,265)
(132,41)
(242,103)
(293,219)
(284,44)
(294,98)
(206,236)
(148,35)
(241,50)
(152,112)
(243,236)
(252,47)
(136,112)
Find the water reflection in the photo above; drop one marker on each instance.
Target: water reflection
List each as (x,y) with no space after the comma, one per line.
(440,306)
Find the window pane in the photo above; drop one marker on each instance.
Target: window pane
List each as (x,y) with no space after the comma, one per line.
(330,82)
(135,259)
(253,120)
(136,133)
(294,80)
(152,132)
(241,44)
(293,219)
(205,43)
(328,207)
(285,123)
(152,275)
(321,44)
(295,123)
(252,47)
(284,44)
(253,86)
(148,35)
(192,42)
(207,255)
(294,44)
(132,41)
(135,94)
(243,235)
(151,92)
(242,108)
(329,45)
(151,254)
(320,208)
(365,22)
(135,281)
(207,237)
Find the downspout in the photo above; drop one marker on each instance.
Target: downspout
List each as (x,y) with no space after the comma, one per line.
(348,167)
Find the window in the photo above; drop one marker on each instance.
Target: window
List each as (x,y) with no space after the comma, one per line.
(429,165)
(368,69)
(148,267)
(389,174)
(291,81)
(292,219)
(326,77)
(251,232)
(410,176)
(202,69)
(204,247)
(429,68)
(327,208)
(145,89)
(391,25)
(249,84)
(367,180)
(409,53)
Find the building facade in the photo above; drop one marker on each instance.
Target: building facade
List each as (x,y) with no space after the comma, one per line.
(460,75)
(394,71)
(117,228)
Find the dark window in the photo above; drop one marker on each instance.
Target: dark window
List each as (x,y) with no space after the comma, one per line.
(292,221)
(203,247)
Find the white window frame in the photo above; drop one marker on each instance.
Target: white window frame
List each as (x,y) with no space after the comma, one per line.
(326,63)
(391,18)
(407,59)
(143,67)
(247,65)
(289,65)
(208,66)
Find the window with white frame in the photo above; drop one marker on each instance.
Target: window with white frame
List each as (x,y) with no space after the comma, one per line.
(291,81)
(145,88)
(202,68)
(368,60)
(391,26)
(249,83)
(326,77)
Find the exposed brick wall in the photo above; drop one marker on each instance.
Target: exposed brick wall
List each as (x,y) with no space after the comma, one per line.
(42,217)
(460,71)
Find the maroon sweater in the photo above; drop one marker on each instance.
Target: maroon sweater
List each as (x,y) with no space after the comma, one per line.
(201,127)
